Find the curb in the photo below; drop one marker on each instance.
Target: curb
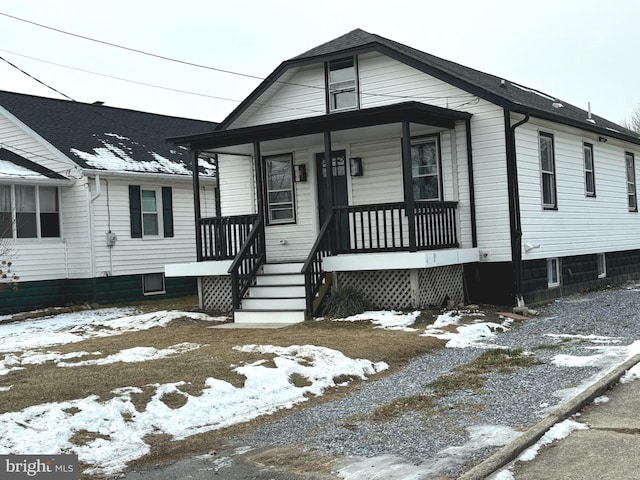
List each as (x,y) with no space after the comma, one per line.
(511,451)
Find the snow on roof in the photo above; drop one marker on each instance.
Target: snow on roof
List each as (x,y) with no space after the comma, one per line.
(11,170)
(118,156)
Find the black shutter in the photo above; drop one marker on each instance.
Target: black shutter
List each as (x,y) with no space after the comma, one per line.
(135,211)
(167,211)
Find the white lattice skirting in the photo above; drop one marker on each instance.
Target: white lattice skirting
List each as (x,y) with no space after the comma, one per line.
(215,293)
(405,289)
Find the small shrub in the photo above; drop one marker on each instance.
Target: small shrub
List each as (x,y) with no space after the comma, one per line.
(345,302)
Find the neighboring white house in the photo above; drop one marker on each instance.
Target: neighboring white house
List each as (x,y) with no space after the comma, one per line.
(446,184)
(94,202)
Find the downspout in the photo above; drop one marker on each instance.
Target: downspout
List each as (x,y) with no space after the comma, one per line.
(514,200)
(92,245)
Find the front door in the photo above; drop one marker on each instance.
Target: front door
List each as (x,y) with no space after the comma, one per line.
(340,193)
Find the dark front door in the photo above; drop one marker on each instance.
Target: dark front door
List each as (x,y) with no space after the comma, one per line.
(339,189)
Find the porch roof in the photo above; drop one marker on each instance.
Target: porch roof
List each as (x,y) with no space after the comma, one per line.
(413,112)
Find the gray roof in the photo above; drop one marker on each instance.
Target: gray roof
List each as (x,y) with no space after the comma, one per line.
(99,137)
(502,92)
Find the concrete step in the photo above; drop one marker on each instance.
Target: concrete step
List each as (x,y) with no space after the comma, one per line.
(265,316)
(289,267)
(276,291)
(274,304)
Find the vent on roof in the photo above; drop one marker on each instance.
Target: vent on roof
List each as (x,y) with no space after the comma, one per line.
(589,119)
(557,105)
(98,102)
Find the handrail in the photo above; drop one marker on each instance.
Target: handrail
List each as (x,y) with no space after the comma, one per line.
(247,262)
(312,268)
(222,237)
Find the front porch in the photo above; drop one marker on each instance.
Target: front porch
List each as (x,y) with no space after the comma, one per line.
(415,196)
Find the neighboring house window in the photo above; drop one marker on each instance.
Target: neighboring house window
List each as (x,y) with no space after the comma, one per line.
(425,169)
(279,173)
(151,212)
(29,211)
(153,283)
(342,84)
(589,173)
(602,265)
(631,181)
(6,212)
(553,272)
(548,171)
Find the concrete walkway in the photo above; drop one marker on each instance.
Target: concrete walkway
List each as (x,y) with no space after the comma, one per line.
(608,449)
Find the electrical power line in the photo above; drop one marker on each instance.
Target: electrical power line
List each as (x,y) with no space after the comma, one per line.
(221,70)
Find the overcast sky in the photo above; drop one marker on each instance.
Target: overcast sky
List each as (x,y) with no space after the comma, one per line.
(576,50)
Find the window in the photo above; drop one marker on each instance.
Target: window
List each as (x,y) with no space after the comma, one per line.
(153,283)
(553,272)
(6,212)
(151,212)
(548,171)
(589,173)
(425,169)
(631,182)
(602,265)
(342,84)
(49,212)
(29,211)
(279,174)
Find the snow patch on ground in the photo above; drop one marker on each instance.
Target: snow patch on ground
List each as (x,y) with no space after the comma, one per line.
(388,320)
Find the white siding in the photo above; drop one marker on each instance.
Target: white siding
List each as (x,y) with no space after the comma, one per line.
(581,224)
(385,81)
(50,258)
(237,185)
(301,96)
(142,255)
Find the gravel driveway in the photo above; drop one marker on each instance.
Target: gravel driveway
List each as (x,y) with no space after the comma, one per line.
(461,432)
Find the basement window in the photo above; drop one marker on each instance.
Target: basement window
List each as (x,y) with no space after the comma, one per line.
(153,283)
(602,265)
(553,272)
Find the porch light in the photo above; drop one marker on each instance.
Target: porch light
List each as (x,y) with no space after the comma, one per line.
(301,173)
(356,166)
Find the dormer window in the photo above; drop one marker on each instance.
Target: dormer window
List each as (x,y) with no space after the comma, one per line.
(342,84)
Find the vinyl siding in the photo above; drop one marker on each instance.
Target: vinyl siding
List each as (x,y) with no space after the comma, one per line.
(385,81)
(141,255)
(237,185)
(581,224)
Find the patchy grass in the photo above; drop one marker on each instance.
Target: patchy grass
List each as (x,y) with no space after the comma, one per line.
(470,376)
(216,358)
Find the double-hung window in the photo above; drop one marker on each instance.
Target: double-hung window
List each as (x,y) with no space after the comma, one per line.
(589,172)
(29,211)
(425,169)
(150,214)
(631,181)
(151,211)
(342,84)
(548,171)
(6,212)
(279,189)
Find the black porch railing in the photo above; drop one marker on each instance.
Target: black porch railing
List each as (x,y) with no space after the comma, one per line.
(222,237)
(247,262)
(385,227)
(378,228)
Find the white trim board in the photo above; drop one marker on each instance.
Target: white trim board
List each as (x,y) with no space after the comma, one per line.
(399,260)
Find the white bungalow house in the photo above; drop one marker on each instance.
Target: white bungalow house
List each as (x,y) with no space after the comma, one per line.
(446,183)
(94,202)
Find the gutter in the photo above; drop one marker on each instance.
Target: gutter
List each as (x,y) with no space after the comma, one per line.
(514,200)
(146,176)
